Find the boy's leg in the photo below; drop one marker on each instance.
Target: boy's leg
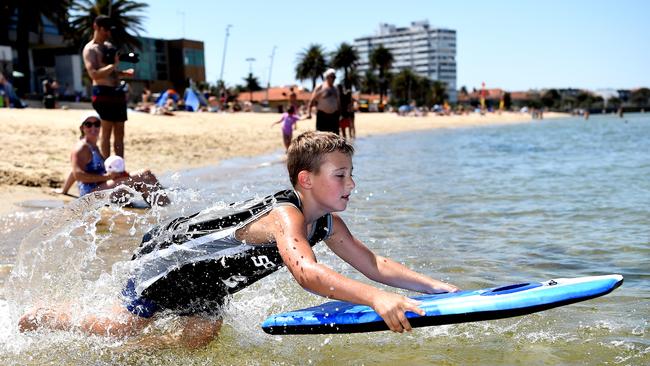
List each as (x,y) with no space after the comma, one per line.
(118,323)
(105,138)
(56,318)
(199,331)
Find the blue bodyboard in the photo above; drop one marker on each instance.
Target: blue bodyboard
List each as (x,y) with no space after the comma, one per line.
(447,308)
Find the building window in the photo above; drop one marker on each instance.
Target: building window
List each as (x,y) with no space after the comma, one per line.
(193,57)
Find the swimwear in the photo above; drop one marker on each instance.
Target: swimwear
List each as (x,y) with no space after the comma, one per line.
(288,120)
(328,122)
(94,166)
(193,263)
(110,103)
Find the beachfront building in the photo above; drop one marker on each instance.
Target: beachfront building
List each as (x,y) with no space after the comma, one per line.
(163,63)
(166,64)
(428,51)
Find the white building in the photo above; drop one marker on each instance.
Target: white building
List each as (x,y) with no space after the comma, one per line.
(429,52)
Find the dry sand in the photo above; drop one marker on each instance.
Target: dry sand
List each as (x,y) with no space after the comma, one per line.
(35,143)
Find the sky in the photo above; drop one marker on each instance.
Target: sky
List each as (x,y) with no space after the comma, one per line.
(508,44)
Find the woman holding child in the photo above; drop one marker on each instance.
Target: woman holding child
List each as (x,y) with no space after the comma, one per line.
(91,175)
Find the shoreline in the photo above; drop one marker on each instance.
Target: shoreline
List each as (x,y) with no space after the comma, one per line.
(35,143)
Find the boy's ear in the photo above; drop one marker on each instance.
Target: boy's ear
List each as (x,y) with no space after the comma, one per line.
(304,179)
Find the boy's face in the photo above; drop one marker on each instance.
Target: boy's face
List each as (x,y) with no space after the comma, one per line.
(333,183)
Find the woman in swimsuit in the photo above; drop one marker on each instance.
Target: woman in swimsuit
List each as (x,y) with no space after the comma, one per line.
(88,168)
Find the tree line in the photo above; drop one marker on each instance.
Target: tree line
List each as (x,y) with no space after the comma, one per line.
(405,86)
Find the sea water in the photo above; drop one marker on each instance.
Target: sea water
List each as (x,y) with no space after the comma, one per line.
(478,207)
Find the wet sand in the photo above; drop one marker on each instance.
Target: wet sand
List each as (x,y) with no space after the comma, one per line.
(35,143)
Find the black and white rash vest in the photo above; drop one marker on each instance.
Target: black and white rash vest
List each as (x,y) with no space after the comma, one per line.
(192,263)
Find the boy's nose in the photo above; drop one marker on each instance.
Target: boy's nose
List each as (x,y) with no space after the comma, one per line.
(351,183)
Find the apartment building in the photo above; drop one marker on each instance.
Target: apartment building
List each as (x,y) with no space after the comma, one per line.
(426,50)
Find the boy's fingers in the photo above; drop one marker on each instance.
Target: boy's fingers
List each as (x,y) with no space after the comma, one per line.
(414,306)
(404,322)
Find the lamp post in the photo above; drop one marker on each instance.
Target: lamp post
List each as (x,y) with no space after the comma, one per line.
(250,76)
(268,82)
(223,59)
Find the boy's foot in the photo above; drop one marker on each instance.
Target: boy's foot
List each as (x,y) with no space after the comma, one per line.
(42,317)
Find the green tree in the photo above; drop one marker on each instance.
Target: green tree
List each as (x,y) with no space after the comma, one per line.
(640,97)
(29,14)
(405,87)
(311,64)
(439,92)
(369,82)
(585,99)
(569,103)
(252,84)
(614,102)
(534,100)
(346,58)
(551,98)
(382,59)
(354,79)
(125,14)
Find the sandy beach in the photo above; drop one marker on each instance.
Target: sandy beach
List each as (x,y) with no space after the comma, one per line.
(35,143)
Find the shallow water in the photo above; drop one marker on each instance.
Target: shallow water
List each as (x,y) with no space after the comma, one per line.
(477,207)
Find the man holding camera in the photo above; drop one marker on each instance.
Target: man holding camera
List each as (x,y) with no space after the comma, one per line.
(108,98)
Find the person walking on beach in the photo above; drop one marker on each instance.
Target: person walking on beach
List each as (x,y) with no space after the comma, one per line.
(328,104)
(289,122)
(109,100)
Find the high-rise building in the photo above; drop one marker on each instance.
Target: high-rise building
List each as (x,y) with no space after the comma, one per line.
(428,51)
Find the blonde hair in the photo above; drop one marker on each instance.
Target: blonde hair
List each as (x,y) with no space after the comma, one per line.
(307,150)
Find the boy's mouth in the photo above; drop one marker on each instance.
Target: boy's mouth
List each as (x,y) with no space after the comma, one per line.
(346,197)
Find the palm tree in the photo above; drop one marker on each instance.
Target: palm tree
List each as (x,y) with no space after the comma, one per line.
(124,13)
(29,14)
(381,58)
(252,84)
(439,92)
(354,79)
(369,82)
(403,86)
(311,64)
(346,58)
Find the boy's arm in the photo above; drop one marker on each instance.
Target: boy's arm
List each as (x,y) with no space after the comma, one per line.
(290,236)
(377,268)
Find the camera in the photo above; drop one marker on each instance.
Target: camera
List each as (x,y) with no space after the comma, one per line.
(110,52)
(109,55)
(131,57)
